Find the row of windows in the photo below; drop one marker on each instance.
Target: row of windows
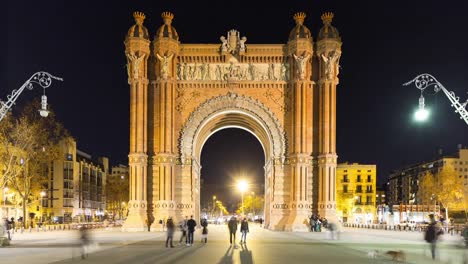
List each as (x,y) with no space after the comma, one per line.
(358,188)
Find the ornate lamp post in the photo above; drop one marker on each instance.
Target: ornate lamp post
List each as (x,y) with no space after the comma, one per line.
(424,81)
(44,79)
(242,185)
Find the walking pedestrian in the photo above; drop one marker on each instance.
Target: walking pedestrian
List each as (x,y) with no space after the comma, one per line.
(432,233)
(191,224)
(204,224)
(84,239)
(7,228)
(183,229)
(170,232)
(232,225)
(244,230)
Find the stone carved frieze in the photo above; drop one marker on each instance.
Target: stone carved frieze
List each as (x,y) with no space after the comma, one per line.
(234,102)
(233,71)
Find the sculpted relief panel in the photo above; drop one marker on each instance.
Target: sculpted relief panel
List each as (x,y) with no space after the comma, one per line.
(233,71)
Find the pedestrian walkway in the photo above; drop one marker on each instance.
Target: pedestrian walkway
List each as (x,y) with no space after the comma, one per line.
(263,246)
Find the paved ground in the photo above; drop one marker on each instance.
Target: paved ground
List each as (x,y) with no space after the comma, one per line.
(263,246)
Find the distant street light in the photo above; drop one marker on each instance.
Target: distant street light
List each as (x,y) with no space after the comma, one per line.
(425,80)
(44,79)
(242,186)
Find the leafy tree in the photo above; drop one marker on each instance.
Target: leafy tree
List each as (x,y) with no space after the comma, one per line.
(446,187)
(252,204)
(117,195)
(28,143)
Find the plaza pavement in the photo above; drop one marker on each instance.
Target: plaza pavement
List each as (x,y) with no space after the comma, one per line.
(263,246)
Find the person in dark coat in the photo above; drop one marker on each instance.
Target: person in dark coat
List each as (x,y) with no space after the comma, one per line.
(433,231)
(232,225)
(244,230)
(204,224)
(191,224)
(170,232)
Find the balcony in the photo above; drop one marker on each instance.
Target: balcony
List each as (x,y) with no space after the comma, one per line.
(369,191)
(359,191)
(345,180)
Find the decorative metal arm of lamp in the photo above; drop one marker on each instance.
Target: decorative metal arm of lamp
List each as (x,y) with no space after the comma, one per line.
(424,81)
(44,79)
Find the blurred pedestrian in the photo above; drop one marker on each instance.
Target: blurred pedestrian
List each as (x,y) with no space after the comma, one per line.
(244,230)
(7,228)
(191,224)
(204,224)
(433,231)
(183,229)
(232,225)
(85,240)
(170,232)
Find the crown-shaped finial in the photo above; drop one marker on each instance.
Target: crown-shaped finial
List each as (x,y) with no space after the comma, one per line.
(299,17)
(167,17)
(139,17)
(327,18)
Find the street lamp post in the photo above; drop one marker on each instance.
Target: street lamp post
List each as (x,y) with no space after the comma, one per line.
(242,185)
(44,79)
(43,194)
(214,207)
(424,81)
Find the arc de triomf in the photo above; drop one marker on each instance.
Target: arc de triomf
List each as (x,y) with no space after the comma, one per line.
(181,94)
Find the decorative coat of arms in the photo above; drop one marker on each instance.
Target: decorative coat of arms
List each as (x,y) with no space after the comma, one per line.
(233,44)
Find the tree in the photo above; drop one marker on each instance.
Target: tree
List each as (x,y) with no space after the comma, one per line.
(117,195)
(28,143)
(252,204)
(445,187)
(450,192)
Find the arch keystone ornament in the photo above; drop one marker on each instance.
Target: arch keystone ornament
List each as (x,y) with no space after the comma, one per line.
(181,94)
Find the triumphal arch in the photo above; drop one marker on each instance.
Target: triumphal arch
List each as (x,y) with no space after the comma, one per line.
(181,94)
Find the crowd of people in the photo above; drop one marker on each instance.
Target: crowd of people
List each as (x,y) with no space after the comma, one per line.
(187,230)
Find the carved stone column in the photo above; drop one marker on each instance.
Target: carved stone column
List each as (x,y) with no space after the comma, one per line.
(164,137)
(328,55)
(300,127)
(137,52)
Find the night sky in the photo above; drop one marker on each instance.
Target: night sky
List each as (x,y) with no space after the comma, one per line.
(385,43)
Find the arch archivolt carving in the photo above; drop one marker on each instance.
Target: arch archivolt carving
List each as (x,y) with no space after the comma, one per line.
(232,103)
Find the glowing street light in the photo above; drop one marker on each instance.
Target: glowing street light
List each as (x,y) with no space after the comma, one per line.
(421,114)
(424,81)
(242,186)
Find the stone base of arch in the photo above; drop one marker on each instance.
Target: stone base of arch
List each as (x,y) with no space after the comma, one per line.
(137,216)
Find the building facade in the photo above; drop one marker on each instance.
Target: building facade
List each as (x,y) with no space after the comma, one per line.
(404,184)
(117,192)
(356,186)
(181,94)
(76,187)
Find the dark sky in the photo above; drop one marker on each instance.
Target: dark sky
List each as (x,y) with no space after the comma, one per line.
(385,43)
